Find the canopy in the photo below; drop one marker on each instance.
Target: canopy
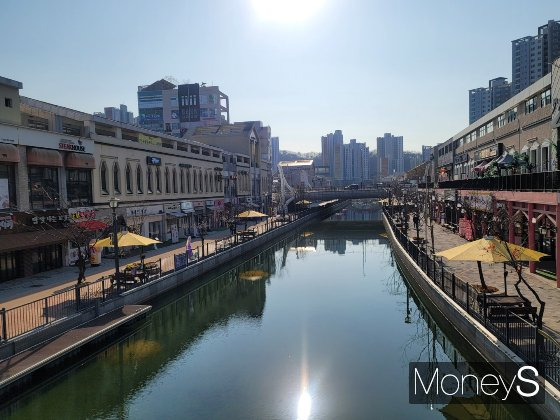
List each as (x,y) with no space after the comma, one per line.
(126,239)
(491,250)
(505,160)
(251,214)
(481,166)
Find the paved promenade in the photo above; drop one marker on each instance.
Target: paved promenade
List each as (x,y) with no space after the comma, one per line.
(24,290)
(494,275)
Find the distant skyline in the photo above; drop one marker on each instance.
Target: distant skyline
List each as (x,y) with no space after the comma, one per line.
(305,68)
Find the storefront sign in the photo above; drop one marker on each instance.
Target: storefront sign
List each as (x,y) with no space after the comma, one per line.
(71,145)
(479,201)
(219,204)
(143,138)
(489,153)
(94,254)
(152,160)
(81,213)
(172,207)
(187,207)
(209,203)
(198,204)
(6,222)
(461,158)
(174,234)
(144,211)
(185,165)
(180,261)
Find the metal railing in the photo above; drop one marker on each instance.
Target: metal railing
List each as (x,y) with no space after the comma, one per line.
(538,181)
(25,318)
(521,335)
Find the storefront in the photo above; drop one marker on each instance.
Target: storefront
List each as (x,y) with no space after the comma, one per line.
(174,222)
(187,209)
(9,157)
(146,220)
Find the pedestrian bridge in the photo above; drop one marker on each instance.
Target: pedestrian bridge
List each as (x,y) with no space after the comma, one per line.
(326,195)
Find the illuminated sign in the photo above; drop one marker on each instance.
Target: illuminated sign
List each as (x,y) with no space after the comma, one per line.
(152,160)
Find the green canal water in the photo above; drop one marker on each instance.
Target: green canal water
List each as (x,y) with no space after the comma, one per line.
(320,326)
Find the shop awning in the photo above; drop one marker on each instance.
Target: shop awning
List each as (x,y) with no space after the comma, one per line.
(505,160)
(80,161)
(33,239)
(535,145)
(485,167)
(8,153)
(175,213)
(43,157)
(187,211)
(215,208)
(481,166)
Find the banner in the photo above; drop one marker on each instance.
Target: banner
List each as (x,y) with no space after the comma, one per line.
(180,261)
(143,138)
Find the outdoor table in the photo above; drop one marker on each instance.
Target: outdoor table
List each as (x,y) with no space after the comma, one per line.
(499,304)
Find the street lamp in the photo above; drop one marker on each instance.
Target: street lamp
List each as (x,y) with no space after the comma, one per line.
(114,203)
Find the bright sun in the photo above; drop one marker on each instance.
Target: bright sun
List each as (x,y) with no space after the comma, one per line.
(287,10)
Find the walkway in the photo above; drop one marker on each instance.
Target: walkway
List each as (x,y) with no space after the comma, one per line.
(24,290)
(494,275)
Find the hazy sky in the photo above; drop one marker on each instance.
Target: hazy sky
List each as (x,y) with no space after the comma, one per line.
(309,67)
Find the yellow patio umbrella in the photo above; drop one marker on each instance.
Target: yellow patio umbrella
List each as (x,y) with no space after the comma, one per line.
(490,250)
(251,214)
(126,239)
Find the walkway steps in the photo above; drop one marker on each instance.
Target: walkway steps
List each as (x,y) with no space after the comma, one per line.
(20,369)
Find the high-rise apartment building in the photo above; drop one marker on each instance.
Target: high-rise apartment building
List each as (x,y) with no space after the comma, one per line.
(356,161)
(176,110)
(426,153)
(332,150)
(532,56)
(411,160)
(117,114)
(390,155)
(484,100)
(275,146)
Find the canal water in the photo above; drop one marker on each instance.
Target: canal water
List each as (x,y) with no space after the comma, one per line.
(320,326)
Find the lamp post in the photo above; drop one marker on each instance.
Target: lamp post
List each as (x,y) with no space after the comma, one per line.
(114,203)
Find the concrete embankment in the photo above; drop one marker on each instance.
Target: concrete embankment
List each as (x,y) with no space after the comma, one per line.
(166,283)
(450,316)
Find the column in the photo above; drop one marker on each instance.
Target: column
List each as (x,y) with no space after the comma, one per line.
(557,246)
(511,227)
(22,181)
(532,265)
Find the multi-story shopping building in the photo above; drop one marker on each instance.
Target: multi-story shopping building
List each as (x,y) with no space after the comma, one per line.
(390,155)
(532,56)
(484,100)
(179,109)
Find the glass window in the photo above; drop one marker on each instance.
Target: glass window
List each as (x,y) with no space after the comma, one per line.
(182,181)
(149,180)
(512,115)
(43,187)
(195,183)
(188,181)
(8,183)
(128,179)
(138,179)
(529,105)
(490,127)
(546,98)
(158,180)
(116,178)
(175,181)
(103,175)
(501,120)
(201,182)
(78,187)
(167,186)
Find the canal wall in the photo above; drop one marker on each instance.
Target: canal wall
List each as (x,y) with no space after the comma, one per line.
(162,285)
(451,316)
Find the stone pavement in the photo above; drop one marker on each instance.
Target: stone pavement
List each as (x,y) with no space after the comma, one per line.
(19,291)
(494,275)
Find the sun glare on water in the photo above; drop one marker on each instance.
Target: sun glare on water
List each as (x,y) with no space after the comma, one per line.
(304,406)
(287,10)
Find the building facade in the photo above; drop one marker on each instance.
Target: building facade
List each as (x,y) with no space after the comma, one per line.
(390,155)
(483,100)
(356,162)
(275,145)
(332,152)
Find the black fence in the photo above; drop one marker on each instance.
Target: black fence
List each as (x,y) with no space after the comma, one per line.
(539,181)
(25,318)
(521,335)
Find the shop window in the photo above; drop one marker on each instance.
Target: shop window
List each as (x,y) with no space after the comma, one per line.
(78,187)
(8,183)
(103,175)
(128,177)
(11,265)
(116,178)
(43,187)
(167,187)
(158,181)
(138,179)
(149,181)
(46,258)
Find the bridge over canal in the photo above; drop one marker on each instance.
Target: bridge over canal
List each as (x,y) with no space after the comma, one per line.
(326,195)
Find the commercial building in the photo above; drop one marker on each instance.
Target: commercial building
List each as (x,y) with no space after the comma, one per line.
(390,155)
(532,56)
(484,100)
(356,162)
(178,110)
(59,165)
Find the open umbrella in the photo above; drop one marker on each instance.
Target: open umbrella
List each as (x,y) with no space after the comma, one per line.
(490,250)
(251,214)
(126,239)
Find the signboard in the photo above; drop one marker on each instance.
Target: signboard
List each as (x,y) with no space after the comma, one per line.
(143,138)
(144,211)
(219,203)
(172,206)
(94,255)
(175,114)
(481,201)
(81,213)
(152,160)
(209,202)
(198,203)
(180,261)
(489,153)
(150,115)
(44,139)
(189,102)
(187,207)
(6,222)
(174,234)
(4,194)
(70,145)
(461,158)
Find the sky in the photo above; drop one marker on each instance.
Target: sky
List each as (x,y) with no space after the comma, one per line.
(304,67)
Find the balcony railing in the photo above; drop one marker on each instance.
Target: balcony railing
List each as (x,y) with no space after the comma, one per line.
(540,181)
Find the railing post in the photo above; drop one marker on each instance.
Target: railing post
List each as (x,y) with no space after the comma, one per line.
(215,247)
(442,278)
(507,327)
(452,284)
(46,311)
(77,291)
(468,293)
(160,267)
(207,249)
(485,309)
(4,326)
